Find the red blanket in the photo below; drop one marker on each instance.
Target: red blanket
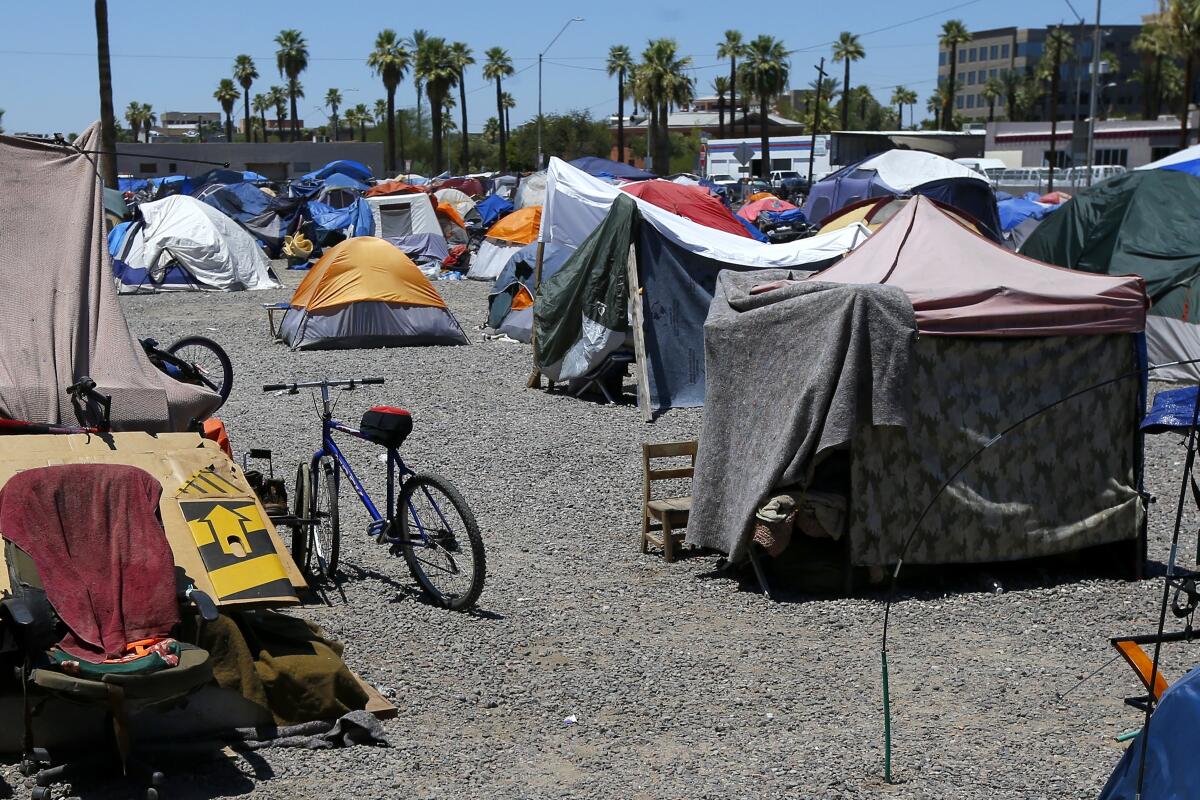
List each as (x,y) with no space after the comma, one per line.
(93,531)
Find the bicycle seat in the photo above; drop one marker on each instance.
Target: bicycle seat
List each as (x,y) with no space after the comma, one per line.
(386,425)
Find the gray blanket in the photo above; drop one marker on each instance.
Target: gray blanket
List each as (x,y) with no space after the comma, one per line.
(791,373)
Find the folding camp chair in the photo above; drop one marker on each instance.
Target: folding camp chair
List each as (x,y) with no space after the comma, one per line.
(662,517)
(610,370)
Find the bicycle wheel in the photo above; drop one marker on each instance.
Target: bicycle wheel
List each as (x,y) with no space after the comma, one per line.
(325,536)
(213,367)
(440,541)
(300,510)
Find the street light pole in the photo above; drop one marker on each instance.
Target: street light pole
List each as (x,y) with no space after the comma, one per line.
(1091,151)
(544,51)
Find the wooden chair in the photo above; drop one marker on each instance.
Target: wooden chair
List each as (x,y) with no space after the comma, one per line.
(663,517)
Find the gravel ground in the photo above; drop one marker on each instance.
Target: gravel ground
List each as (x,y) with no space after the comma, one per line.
(685,684)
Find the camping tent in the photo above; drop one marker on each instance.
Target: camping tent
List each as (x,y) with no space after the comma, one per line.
(346,167)
(510,302)
(750,211)
(60,318)
(691,201)
(531,191)
(606,168)
(1186,160)
(352,220)
(365,293)
(210,249)
(267,218)
(403,214)
(460,202)
(898,172)
(1001,337)
(1020,216)
(1139,223)
(875,211)
(503,241)
(392,187)
(492,208)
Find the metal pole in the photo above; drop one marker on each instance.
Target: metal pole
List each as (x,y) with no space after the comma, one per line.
(1091,150)
(539,125)
(812,146)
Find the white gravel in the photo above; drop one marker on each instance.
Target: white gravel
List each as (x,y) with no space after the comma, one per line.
(683,684)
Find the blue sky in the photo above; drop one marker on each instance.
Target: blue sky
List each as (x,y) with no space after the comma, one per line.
(172,54)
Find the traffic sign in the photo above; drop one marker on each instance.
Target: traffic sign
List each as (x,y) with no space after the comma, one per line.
(744,152)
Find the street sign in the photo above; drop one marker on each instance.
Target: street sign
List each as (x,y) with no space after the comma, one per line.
(743,153)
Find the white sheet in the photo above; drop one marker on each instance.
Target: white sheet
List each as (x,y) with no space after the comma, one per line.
(1169,339)
(491,259)
(904,169)
(576,203)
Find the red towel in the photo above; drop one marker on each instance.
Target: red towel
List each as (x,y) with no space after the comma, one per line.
(94,533)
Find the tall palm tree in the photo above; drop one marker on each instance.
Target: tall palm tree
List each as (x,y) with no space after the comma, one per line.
(435,69)
(491,130)
(413,45)
(133,115)
(245,73)
(663,81)
(227,94)
(279,99)
(148,119)
(1057,47)
(292,58)
(108,120)
(379,112)
(333,100)
(262,102)
(765,74)
(507,102)
(732,47)
(498,67)
(954,33)
(847,49)
(619,63)
(900,99)
(1010,87)
(364,116)
(720,86)
(350,117)
(462,57)
(993,90)
(390,60)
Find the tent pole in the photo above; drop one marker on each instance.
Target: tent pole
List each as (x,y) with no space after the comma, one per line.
(639,339)
(535,377)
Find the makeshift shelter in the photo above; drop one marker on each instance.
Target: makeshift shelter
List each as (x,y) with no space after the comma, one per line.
(1020,216)
(352,220)
(403,215)
(492,208)
(606,168)
(364,292)
(510,303)
(1186,160)
(690,201)
(823,384)
(267,218)
(346,167)
(904,172)
(392,187)
(59,314)
(460,202)
(504,239)
(210,250)
(750,211)
(1139,223)
(531,191)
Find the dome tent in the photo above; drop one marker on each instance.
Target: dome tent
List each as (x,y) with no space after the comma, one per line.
(366,293)
(503,240)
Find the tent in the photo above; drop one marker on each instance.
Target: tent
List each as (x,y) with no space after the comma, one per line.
(531,191)
(1186,160)
(1000,337)
(346,167)
(1139,223)
(690,201)
(875,211)
(471,187)
(606,168)
(510,302)
(115,208)
(210,250)
(582,315)
(403,214)
(503,240)
(352,220)
(60,318)
(267,218)
(460,202)
(427,250)
(900,172)
(750,211)
(365,293)
(492,208)
(392,187)
(1020,216)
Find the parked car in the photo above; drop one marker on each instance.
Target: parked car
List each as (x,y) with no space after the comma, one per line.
(788,183)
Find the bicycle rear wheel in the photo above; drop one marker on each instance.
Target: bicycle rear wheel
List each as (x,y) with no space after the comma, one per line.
(325,535)
(212,365)
(440,541)
(300,509)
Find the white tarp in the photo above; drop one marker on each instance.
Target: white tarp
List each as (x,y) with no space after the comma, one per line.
(1184,156)
(458,200)
(493,256)
(531,190)
(576,203)
(216,250)
(1170,340)
(904,169)
(403,215)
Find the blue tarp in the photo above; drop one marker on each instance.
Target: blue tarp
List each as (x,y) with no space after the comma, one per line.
(752,229)
(356,216)
(339,181)
(605,168)
(225,176)
(267,218)
(1172,410)
(132,184)
(254,177)
(116,238)
(492,208)
(1015,210)
(1172,769)
(789,217)
(352,169)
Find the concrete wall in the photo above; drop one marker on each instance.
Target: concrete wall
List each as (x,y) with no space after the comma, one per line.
(1131,143)
(276,160)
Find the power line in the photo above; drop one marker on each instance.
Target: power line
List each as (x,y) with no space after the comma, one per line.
(893,26)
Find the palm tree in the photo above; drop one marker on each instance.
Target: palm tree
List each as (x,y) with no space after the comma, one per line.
(333,100)
(462,58)
(1010,87)
(1181,18)
(619,63)
(663,81)
(720,86)
(245,73)
(262,102)
(954,33)
(498,67)
(847,49)
(350,117)
(279,99)
(765,74)
(491,130)
(108,120)
(292,58)
(732,47)
(364,116)
(414,44)
(227,94)
(389,60)
(993,90)
(901,97)
(148,118)
(435,68)
(1058,44)
(910,100)
(133,115)
(508,102)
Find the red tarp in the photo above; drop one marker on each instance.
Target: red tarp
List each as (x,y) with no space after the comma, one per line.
(693,202)
(961,284)
(750,211)
(393,187)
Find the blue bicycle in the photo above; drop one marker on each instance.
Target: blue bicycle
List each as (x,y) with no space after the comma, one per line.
(429,522)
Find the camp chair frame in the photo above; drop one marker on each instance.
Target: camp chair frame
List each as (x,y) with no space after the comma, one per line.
(662,516)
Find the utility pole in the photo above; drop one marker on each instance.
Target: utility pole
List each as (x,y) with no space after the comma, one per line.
(539,117)
(1091,151)
(812,146)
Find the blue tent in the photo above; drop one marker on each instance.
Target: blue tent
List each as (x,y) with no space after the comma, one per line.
(357,217)
(606,168)
(351,169)
(254,177)
(267,218)
(220,175)
(1015,210)
(492,208)
(339,180)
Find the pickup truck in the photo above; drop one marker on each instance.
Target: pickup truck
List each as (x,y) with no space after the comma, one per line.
(788,183)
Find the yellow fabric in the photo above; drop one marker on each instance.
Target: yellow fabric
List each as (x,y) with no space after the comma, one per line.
(848,218)
(869,215)
(519,227)
(759,196)
(364,268)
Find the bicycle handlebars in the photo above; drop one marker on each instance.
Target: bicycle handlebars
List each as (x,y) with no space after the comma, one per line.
(349,383)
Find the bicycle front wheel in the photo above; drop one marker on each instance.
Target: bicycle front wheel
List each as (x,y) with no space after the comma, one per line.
(440,541)
(325,535)
(213,368)
(300,509)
